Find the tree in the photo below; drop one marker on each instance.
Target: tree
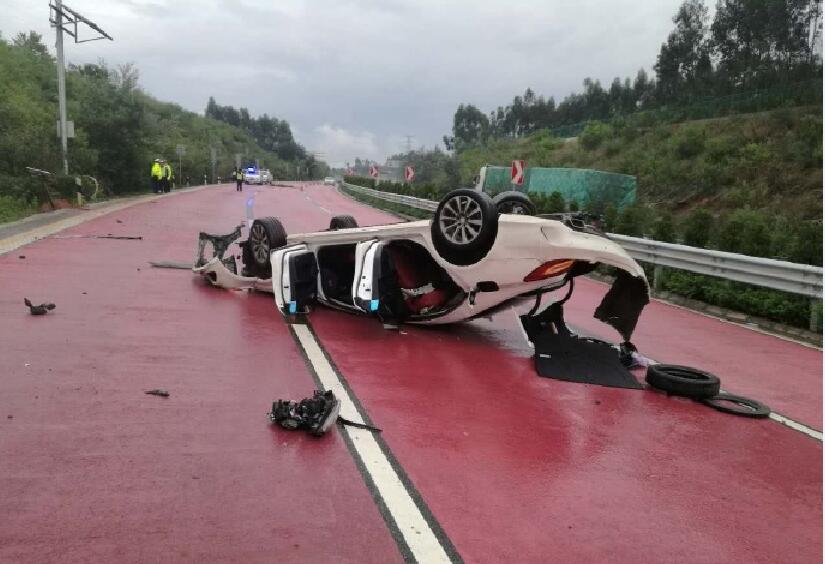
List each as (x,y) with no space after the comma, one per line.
(470,126)
(32,41)
(685,56)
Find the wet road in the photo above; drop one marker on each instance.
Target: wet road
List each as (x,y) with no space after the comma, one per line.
(508,465)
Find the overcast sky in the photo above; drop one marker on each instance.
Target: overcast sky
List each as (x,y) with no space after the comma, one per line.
(354,77)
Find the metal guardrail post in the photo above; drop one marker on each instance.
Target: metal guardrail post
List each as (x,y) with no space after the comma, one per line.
(814,320)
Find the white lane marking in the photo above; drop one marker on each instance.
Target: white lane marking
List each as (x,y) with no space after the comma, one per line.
(796,426)
(408,519)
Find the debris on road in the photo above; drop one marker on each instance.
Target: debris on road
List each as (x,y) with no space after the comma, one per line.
(182,265)
(109,236)
(158,392)
(316,414)
(41,309)
(703,387)
(21,256)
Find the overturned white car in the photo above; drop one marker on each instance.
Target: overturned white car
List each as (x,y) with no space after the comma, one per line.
(465,261)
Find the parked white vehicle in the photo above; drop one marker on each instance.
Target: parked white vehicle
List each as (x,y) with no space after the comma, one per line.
(464,262)
(330,181)
(266,176)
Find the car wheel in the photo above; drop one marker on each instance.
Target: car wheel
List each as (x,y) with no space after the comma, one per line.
(682,381)
(342,222)
(465,226)
(265,235)
(515,203)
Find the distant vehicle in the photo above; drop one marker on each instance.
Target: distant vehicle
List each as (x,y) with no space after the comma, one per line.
(252,175)
(266,177)
(329,181)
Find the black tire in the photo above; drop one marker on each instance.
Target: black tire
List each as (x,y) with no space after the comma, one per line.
(682,381)
(514,202)
(265,235)
(464,226)
(342,222)
(738,405)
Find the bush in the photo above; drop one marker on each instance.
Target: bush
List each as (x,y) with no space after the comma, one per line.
(697,228)
(663,229)
(631,222)
(594,135)
(688,142)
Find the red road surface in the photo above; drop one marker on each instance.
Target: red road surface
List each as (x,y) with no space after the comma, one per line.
(94,470)
(514,467)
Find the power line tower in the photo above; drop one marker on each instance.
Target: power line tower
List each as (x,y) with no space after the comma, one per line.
(409,143)
(64,19)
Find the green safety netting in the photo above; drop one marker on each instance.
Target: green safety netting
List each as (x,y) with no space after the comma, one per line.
(592,189)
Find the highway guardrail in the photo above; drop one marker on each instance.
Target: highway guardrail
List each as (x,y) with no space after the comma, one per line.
(802,279)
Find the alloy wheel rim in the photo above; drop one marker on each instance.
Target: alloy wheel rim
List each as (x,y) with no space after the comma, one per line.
(260,243)
(460,220)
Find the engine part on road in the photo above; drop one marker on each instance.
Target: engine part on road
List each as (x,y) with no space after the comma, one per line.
(514,202)
(342,222)
(316,414)
(682,381)
(41,309)
(465,226)
(738,405)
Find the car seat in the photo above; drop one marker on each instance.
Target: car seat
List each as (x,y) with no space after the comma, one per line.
(415,274)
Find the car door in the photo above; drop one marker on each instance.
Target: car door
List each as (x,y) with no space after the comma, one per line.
(294,279)
(375,287)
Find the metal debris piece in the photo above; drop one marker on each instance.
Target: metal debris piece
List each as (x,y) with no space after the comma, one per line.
(158,392)
(171,264)
(109,236)
(41,309)
(220,243)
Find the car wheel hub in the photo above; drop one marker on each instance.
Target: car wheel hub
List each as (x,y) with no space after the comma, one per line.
(460,220)
(260,243)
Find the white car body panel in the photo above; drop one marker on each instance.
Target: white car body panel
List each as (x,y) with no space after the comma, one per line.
(523,244)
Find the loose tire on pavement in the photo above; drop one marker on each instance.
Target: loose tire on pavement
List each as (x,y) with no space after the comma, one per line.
(514,202)
(342,222)
(682,381)
(465,226)
(266,234)
(738,405)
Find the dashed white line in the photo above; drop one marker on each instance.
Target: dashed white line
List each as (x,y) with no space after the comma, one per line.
(408,518)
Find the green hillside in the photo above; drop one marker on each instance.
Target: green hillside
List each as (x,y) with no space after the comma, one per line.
(119,130)
(767,161)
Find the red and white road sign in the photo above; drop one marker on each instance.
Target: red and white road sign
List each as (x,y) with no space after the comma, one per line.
(374,171)
(517,173)
(409,173)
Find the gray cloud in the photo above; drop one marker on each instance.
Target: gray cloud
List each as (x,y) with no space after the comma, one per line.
(354,76)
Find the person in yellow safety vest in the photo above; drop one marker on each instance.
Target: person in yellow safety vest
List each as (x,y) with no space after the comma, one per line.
(239,180)
(168,177)
(157,176)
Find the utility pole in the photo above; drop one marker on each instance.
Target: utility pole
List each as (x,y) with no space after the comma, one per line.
(60,16)
(213,154)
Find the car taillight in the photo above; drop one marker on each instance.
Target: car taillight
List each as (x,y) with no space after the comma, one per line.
(549,269)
